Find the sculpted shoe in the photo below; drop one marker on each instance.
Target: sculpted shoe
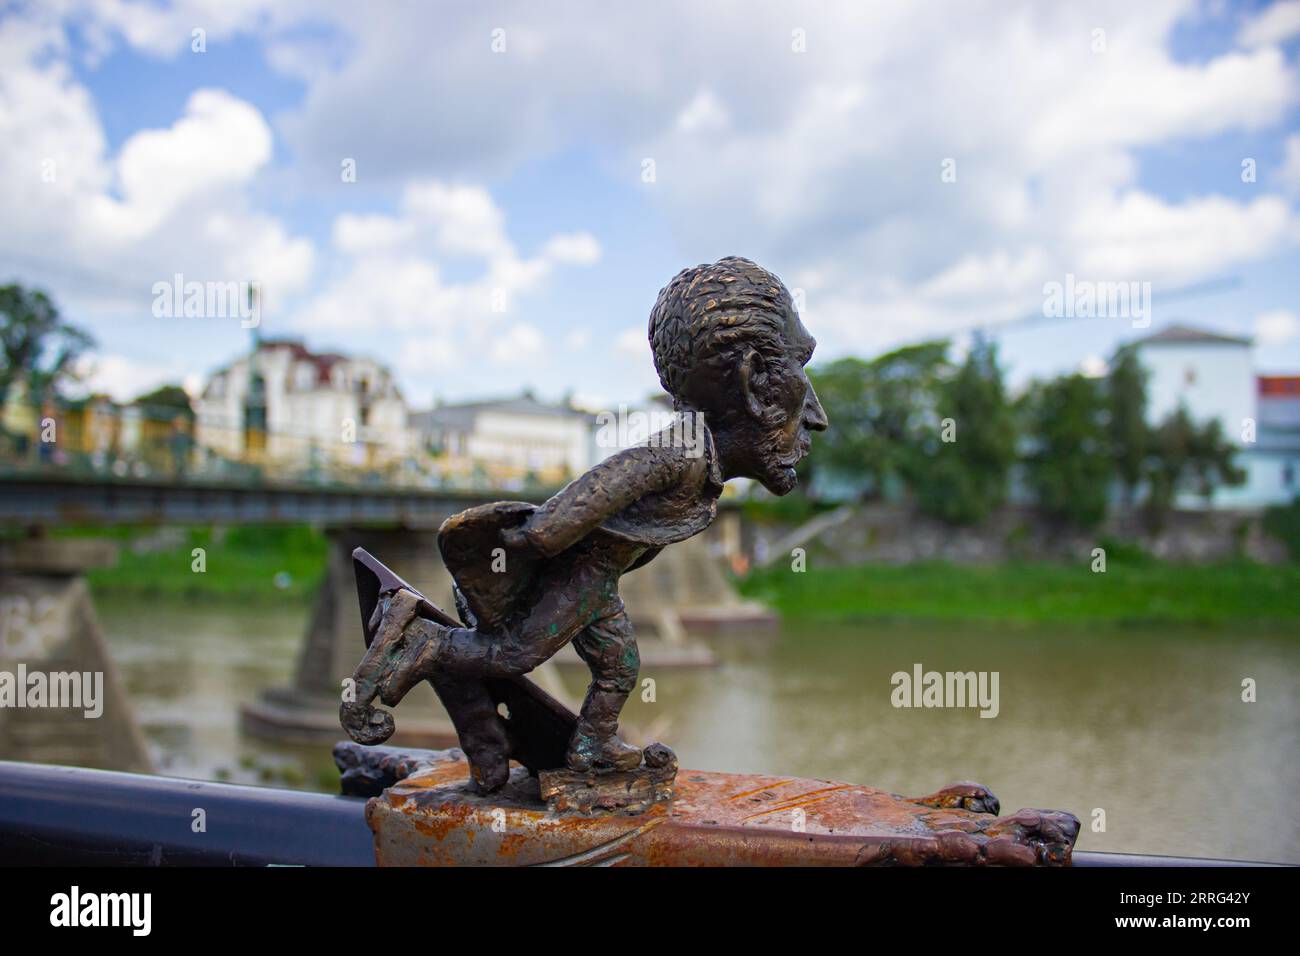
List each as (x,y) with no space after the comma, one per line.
(590,752)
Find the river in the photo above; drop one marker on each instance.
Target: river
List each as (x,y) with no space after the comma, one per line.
(1143,734)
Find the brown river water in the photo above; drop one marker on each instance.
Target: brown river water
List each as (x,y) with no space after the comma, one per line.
(1141,733)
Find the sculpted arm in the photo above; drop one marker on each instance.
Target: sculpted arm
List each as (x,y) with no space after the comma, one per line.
(608,488)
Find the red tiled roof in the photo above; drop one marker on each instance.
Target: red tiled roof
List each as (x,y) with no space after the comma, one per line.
(324,361)
(1277,386)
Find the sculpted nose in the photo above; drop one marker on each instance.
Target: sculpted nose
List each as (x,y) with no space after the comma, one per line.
(814,416)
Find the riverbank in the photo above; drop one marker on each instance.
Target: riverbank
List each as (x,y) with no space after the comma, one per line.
(1138,592)
(238,564)
(274,564)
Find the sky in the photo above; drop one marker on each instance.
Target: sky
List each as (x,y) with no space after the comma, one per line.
(489,196)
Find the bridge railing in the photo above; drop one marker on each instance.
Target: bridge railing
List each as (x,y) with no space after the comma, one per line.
(168,443)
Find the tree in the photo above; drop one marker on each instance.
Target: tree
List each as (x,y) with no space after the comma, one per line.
(37,347)
(166,402)
(963,479)
(1186,456)
(1126,425)
(880,411)
(1068,467)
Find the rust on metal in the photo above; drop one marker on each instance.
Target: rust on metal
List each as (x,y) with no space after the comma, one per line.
(432,818)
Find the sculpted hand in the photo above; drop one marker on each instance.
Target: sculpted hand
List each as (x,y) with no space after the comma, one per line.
(515,538)
(390,617)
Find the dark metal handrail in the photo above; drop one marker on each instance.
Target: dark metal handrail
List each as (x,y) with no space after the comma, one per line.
(74,816)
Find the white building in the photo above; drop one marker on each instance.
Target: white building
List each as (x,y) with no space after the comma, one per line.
(1275,471)
(507,442)
(284,404)
(1213,376)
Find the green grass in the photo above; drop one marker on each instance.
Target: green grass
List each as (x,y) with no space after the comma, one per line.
(241,564)
(1143,591)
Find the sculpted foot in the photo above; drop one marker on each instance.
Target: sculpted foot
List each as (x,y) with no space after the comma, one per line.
(590,752)
(489,774)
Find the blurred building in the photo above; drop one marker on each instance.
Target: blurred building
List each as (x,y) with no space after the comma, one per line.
(1213,376)
(1277,448)
(95,434)
(284,404)
(507,443)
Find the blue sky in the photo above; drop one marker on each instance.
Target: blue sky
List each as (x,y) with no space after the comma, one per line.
(1105,142)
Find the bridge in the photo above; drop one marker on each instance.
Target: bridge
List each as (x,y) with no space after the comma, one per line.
(56,498)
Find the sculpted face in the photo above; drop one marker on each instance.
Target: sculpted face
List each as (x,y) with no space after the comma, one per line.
(785,410)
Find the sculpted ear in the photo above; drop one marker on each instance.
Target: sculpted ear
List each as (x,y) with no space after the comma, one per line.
(751,369)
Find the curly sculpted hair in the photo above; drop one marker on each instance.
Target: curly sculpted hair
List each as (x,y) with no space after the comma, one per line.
(707,318)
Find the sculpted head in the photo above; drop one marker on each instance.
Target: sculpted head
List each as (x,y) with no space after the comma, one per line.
(728,342)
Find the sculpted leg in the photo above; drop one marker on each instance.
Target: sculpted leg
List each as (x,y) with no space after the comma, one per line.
(609,649)
(480,728)
(515,650)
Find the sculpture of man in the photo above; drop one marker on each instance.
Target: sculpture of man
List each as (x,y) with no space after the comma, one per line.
(730,349)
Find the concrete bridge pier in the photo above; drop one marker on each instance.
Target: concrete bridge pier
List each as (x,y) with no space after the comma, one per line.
(61,700)
(307,711)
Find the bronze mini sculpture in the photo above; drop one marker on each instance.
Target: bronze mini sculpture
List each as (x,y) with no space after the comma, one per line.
(730,349)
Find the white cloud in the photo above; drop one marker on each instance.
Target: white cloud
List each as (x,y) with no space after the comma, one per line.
(824,166)
(172,199)
(1147,98)
(579,249)
(168,29)
(703,114)
(519,345)
(589,401)
(121,377)
(98,227)
(464,219)
(633,342)
(1273,25)
(456,221)
(388,282)
(356,234)
(1289,174)
(1138,236)
(1276,327)
(221,141)
(997,274)
(1093,366)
